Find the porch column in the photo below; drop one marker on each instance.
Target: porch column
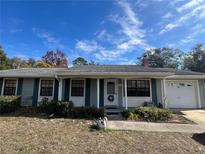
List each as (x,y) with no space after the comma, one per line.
(60,88)
(165,93)
(126,94)
(98,93)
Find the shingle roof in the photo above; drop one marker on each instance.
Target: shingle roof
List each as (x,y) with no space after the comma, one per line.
(93,69)
(31,72)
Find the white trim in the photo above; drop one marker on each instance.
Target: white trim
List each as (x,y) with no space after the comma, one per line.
(98,93)
(39,90)
(2,90)
(198,94)
(186,77)
(125,93)
(60,89)
(164,93)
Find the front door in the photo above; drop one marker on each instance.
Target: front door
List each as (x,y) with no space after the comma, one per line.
(111,92)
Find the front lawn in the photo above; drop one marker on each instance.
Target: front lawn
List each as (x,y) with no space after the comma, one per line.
(19,134)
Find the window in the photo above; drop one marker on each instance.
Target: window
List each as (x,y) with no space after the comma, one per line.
(10,87)
(111,88)
(77,88)
(46,88)
(138,88)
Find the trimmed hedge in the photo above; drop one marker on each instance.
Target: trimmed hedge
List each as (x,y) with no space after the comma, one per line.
(9,103)
(66,109)
(148,114)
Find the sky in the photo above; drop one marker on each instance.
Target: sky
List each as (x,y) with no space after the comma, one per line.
(105,31)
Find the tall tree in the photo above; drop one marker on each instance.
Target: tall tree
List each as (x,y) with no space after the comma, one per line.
(55,58)
(31,62)
(163,57)
(4,60)
(80,61)
(195,59)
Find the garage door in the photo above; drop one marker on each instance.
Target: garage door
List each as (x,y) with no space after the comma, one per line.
(181,94)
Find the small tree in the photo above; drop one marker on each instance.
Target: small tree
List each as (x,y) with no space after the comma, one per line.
(55,58)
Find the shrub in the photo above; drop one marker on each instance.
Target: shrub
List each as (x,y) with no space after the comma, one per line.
(130,115)
(58,108)
(153,113)
(9,103)
(66,109)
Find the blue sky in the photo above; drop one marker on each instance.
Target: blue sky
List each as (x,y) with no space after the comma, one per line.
(106,31)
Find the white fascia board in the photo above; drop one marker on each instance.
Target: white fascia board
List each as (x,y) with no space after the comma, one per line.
(186,77)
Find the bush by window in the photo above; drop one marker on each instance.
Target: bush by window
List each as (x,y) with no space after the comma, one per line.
(46,88)
(9,103)
(138,88)
(9,87)
(77,88)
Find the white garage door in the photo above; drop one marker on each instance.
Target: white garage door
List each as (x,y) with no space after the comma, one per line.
(181,94)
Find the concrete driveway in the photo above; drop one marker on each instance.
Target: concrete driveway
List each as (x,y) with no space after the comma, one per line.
(198,116)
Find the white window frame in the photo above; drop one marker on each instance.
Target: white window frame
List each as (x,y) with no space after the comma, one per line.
(39,90)
(4,79)
(71,88)
(150,88)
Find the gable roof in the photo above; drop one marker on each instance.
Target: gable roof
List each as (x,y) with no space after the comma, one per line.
(126,70)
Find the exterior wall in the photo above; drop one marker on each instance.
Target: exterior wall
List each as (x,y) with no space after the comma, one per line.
(133,102)
(27,92)
(202,92)
(137,101)
(93,93)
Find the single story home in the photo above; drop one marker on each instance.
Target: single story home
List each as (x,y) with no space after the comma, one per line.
(120,86)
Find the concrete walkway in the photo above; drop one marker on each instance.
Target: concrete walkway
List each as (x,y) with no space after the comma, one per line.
(198,116)
(155,127)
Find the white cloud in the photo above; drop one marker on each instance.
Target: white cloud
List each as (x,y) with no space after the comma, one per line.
(196,30)
(167,15)
(168,27)
(130,27)
(15,30)
(195,14)
(128,35)
(107,55)
(88,46)
(49,40)
(189,5)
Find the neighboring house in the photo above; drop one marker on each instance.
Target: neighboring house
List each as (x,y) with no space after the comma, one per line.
(124,86)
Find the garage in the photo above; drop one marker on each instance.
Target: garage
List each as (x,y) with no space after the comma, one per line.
(181,94)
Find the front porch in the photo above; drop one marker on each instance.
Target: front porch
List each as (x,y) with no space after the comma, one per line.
(113,94)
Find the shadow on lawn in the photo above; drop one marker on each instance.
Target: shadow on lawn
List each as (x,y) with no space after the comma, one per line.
(25,112)
(200,138)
